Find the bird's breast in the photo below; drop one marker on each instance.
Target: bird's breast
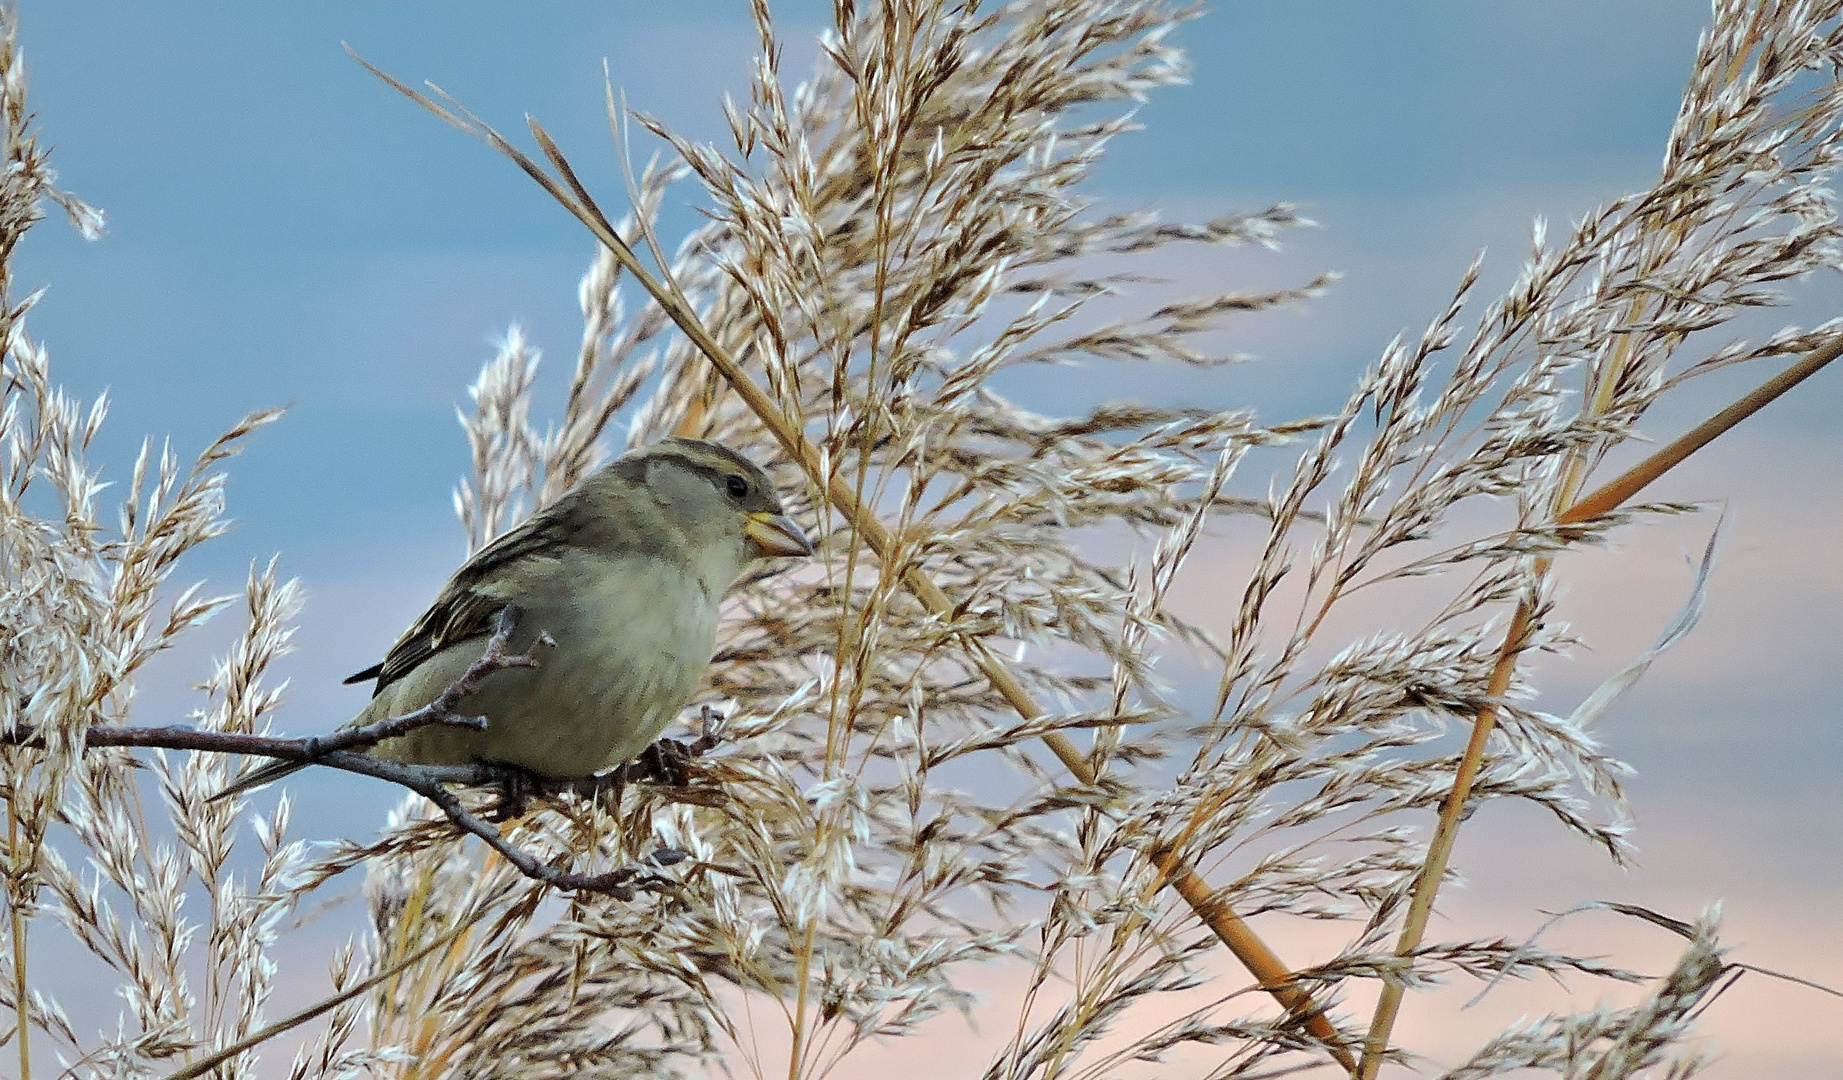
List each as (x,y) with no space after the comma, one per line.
(632,637)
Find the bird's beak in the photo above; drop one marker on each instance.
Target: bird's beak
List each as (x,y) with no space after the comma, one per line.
(776,534)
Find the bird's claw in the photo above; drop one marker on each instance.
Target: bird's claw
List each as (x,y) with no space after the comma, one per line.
(710,731)
(667,762)
(516,787)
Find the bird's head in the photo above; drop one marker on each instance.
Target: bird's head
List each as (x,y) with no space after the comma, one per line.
(718,501)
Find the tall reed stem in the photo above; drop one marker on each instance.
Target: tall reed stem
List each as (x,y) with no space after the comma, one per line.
(22,1023)
(1602,500)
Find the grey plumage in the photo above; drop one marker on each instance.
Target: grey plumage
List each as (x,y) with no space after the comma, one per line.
(625,572)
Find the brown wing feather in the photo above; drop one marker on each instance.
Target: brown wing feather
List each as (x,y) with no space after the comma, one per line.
(462,610)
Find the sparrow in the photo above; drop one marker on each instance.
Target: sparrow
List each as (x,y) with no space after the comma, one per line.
(624,574)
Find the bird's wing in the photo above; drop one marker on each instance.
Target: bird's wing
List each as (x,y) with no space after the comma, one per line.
(477,591)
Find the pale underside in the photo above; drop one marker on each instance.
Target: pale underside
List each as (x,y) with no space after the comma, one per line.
(633,635)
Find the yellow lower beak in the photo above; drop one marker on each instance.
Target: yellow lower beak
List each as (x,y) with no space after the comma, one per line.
(776,534)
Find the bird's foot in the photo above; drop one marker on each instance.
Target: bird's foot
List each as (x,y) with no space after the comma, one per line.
(667,762)
(516,787)
(710,731)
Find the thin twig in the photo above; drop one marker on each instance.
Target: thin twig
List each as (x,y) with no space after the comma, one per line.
(336,750)
(621,883)
(343,750)
(1266,966)
(1602,500)
(429,781)
(494,658)
(478,774)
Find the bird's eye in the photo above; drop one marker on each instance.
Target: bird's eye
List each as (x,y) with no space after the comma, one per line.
(736,486)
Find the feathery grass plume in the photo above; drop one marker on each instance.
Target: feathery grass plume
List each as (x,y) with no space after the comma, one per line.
(84,603)
(1616,1043)
(871,819)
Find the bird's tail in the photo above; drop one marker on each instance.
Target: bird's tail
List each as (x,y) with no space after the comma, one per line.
(266,774)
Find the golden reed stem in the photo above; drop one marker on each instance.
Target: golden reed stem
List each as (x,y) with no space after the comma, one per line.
(1602,500)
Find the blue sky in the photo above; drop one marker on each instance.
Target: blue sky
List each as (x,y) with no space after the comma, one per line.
(286,230)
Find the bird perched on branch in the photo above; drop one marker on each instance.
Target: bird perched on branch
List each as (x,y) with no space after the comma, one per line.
(624,573)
